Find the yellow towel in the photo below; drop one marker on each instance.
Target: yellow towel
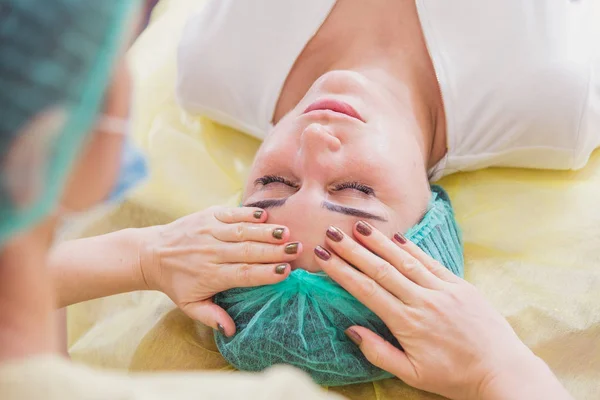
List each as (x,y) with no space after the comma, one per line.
(532,240)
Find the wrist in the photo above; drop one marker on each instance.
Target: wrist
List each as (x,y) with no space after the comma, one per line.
(148,268)
(527,377)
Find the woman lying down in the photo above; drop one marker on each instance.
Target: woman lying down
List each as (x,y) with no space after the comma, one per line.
(345,261)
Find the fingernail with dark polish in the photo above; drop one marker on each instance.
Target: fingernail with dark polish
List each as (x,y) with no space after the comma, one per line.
(322,253)
(278,233)
(398,237)
(221,329)
(280,269)
(258,214)
(363,228)
(354,336)
(334,234)
(291,248)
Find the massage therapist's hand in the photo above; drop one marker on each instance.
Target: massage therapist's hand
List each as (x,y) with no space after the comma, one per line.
(197,256)
(455,344)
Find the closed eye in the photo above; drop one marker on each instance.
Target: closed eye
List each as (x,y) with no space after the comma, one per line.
(355,186)
(268,179)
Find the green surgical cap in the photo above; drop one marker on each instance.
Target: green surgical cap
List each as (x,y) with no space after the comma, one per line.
(56,60)
(301,321)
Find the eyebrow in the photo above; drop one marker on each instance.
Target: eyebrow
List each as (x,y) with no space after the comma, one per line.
(353,212)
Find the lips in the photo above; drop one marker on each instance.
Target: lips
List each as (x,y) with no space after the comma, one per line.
(335,106)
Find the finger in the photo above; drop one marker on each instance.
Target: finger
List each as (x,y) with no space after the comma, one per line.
(365,289)
(211,315)
(251,232)
(229,215)
(378,269)
(249,275)
(258,253)
(404,262)
(383,354)
(433,266)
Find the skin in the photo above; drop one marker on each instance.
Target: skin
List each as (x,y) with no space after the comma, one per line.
(386,75)
(418,299)
(230,248)
(322,153)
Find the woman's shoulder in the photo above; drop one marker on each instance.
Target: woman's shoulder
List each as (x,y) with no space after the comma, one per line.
(234,57)
(516,81)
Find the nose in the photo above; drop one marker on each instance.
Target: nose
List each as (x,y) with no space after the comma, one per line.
(318,145)
(317,137)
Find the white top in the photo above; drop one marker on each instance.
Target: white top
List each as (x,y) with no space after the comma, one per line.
(520,79)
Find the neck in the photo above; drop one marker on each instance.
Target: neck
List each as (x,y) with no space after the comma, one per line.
(384,41)
(27,326)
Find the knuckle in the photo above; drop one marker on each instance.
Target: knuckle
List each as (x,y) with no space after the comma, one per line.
(411,266)
(431,302)
(411,324)
(215,210)
(243,273)
(204,230)
(455,298)
(367,289)
(374,356)
(437,268)
(247,250)
(226,214)
(211,251)
(240,232)
(264,252)
(382,271)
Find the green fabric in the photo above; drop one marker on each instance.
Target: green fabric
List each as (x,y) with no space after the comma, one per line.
(301,321)
(53,54)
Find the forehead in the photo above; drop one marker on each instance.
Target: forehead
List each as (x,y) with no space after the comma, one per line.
(308,223)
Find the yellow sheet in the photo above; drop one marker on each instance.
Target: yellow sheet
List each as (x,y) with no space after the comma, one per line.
(532,240)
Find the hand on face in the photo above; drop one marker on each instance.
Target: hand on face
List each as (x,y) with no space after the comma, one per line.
(346,152)
(200,255)
(454,342)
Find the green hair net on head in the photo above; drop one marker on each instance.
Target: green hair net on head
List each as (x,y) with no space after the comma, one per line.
(56,60)
(301,321)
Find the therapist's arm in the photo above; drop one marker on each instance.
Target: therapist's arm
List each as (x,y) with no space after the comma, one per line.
(190,260)
(95,267)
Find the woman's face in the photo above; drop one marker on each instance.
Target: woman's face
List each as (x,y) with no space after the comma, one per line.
(344,153)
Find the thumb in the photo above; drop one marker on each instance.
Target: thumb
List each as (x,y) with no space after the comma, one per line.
(210,314)
(382,354)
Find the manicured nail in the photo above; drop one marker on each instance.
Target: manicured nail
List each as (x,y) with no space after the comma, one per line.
(291,248)
(363,228)
(280,269)
(354,336)
(322,253)
(278,233)
(258,214)
(398,237)
(221,329)
(334,234)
